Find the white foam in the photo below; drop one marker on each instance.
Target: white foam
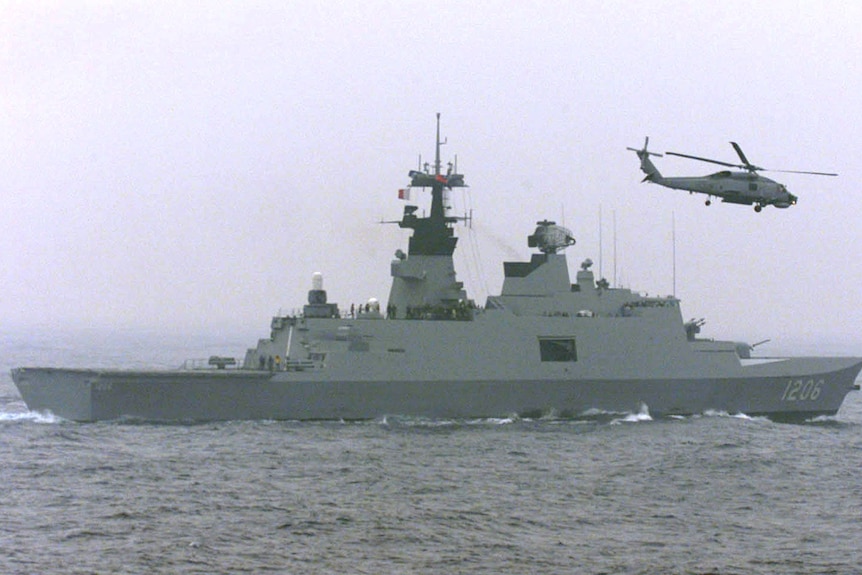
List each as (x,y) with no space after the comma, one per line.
(502,420)
(641,415)
(34,416)
(738,415)
(595,412)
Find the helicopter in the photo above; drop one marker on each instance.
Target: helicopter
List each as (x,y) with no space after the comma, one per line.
(747,188)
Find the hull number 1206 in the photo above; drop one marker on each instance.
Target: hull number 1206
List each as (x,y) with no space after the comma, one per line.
(802,390)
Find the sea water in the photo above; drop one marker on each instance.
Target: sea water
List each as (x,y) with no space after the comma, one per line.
(714,493)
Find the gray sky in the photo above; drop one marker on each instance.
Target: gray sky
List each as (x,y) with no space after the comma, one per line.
(189,165)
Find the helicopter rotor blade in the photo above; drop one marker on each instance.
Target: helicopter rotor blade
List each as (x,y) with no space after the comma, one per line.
(739,152)
(704,160)
(746,164)
(802,172)
(751,167)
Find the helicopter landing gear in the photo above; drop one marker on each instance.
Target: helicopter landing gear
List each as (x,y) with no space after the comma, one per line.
(757,208)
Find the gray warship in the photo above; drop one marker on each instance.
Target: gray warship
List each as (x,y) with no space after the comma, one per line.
(545,346)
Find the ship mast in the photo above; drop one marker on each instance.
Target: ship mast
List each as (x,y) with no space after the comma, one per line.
(433,235)
(437,208)
(423,280)
(437,156)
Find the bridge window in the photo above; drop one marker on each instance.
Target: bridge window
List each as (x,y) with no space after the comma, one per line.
(558,349)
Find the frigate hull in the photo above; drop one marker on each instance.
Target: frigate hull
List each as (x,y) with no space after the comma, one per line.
(543,345)
(90,395)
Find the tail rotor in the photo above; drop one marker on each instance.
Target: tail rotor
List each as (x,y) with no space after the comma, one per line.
(647,167)
(643,152)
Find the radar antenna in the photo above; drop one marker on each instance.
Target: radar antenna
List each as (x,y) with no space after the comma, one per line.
(549,237)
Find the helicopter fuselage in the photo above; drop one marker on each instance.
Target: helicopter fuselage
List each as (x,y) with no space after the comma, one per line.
(733,187)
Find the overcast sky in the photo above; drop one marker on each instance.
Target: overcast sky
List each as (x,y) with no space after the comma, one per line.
(189,165)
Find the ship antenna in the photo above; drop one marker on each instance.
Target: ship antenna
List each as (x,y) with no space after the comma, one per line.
(439,143)
(601,252)
(615,248)
(673,241)
(437,158)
